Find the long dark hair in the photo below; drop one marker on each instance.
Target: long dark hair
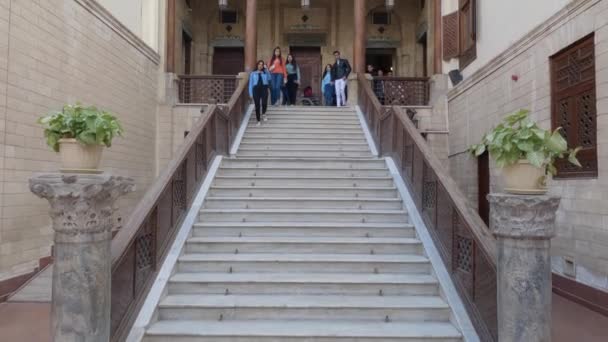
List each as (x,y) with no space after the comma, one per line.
(293,60)
(258,63)
(325,71)
(275,57)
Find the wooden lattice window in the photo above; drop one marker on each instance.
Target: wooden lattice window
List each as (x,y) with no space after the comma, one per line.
(467,20)
(574,105)
(450,35)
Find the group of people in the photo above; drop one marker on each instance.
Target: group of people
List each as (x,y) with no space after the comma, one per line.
(283,76)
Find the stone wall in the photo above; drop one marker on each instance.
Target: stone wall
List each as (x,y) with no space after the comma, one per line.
(485,97)
(62,51)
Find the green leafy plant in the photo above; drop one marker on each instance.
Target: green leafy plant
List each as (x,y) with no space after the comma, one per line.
(518,137)
(88,125)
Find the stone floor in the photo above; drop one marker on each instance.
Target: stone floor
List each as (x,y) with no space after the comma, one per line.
(30,322)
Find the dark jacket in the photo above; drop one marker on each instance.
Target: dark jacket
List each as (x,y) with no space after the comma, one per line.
(340,71)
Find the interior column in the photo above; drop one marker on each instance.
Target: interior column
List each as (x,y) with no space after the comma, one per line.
(437,52)
(251,34)
(170,58)
(359,43)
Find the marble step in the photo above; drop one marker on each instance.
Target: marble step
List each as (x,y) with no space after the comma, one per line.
(312,181)
(303,307)
(299,172)
(301,331)
(303,263)
(301,202)
(304,229)
(307,244)
(302,215)
(303,191)
(303,284)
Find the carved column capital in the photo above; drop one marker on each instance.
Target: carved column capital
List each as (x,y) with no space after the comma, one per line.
(523,216)
(81,204)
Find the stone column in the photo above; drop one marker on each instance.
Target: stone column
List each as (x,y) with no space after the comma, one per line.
(82,207)
(251,34)
(437,51)
(360,31)
(523,226)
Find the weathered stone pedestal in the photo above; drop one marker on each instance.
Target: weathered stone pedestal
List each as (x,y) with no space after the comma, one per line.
(82,207)
(523,226)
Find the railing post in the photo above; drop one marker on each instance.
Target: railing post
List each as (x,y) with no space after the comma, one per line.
(523,226)
(82,207)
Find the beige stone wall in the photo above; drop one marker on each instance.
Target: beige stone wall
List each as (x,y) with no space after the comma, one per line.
(276,18)
(484,98)
(53,52)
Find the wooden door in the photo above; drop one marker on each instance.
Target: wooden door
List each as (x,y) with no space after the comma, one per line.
(483,187)
(309,61)
(228,61)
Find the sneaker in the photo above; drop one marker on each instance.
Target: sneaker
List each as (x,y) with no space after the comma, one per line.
(259,124)
(265,117)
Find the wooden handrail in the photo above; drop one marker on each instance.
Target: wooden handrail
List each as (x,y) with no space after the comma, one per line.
(190,76)
(465,243)
(140,247)
(469,214)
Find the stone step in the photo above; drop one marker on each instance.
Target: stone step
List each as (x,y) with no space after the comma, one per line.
(302,215)
(303,191)
(304,147)
(300,120)
(276,125)
(307,110)
(303,284)
(270,129)
(338,308)
(302,203)
(360,142)
(301,331)
(298,172)
(304,229)
(294,244)
(307,154)
(282,134)
(295,181)
(303,263)
(309,163)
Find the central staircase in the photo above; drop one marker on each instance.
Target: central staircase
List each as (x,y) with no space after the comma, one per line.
(303,237)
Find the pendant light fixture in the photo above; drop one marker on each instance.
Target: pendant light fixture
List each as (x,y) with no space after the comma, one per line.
(305,4)
(223,4)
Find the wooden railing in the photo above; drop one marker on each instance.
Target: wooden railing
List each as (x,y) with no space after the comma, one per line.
(465,243)
(139,248)
(401,91)
(206,88)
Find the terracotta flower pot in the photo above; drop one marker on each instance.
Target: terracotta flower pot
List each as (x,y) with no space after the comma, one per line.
(524,178)
(76,156)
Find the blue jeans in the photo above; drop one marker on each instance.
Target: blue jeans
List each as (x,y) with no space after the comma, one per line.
(328,93)
(275,89)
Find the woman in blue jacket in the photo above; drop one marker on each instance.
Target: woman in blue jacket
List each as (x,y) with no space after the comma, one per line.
(327,87)
(259,80)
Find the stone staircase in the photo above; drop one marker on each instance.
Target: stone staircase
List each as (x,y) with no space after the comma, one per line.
(303,237)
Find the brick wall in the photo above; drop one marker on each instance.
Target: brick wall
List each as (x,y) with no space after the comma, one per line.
(53,52)
(484,98)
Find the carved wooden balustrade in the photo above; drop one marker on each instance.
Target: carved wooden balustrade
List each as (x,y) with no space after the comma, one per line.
(139,248)
(206,88)
(465,243)
(401,91)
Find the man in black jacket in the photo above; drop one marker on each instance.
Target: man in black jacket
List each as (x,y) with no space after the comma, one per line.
(339,75)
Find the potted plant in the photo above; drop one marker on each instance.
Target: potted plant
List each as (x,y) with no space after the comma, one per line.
(526,152)
(78,133)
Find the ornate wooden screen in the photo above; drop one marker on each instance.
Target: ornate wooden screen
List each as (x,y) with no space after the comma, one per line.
(574,105)
(402,91)
(465,243)
(450,36)
(467,19)
(140,247)
(206,89)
